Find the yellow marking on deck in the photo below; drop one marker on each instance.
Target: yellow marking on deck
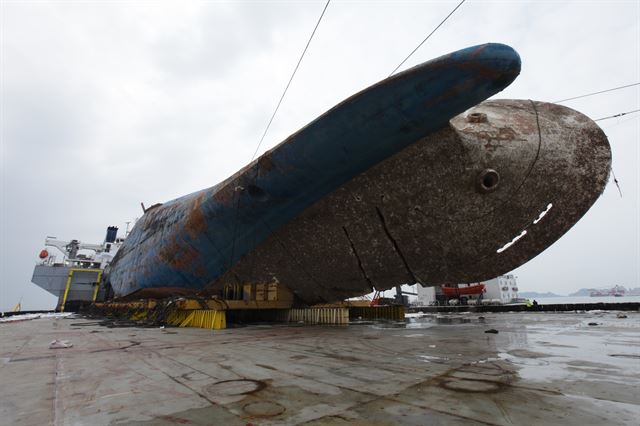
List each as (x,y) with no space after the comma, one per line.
(68,285)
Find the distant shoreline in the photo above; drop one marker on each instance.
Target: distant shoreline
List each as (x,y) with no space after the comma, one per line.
(580,293)
(587,299)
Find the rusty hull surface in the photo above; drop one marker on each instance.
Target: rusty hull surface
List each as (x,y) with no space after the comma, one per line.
(425,215)
(192,241)
(551,369)
(384,189)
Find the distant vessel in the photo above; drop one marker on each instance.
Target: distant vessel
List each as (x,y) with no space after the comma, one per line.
(615,291)
(76,276)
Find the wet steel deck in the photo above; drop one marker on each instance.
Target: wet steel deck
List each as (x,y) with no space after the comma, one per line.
(551,368)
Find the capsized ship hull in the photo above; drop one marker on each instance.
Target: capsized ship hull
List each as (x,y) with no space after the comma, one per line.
(378,191)
(470,202)
(192,241)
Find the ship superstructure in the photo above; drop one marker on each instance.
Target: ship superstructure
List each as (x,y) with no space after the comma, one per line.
(73,270)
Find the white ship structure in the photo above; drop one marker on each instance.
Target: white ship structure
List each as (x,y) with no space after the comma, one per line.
(73,270)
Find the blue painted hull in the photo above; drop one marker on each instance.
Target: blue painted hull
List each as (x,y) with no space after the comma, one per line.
(192,241)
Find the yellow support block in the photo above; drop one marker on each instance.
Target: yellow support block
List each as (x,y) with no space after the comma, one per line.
(139,315)
(188,320)
(68,285)
(202,318)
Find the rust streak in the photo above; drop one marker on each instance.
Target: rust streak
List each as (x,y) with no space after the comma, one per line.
(196,222)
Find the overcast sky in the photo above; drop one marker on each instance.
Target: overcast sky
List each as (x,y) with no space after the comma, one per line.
(107,103)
